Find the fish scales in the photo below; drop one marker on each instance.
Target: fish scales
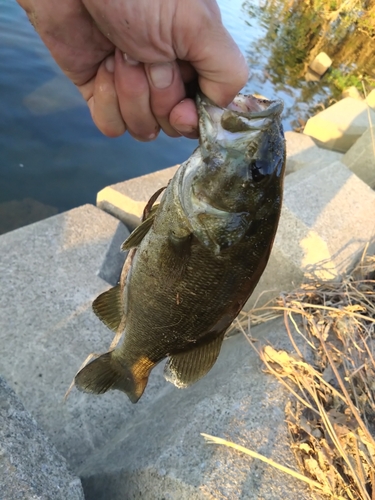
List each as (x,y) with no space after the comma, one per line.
(201,254)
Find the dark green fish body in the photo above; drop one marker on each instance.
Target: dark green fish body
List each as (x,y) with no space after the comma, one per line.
(200,252)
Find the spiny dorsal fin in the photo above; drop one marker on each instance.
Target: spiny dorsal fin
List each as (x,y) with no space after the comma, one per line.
(108,307)
(150,204)
(184,369)
(134,240)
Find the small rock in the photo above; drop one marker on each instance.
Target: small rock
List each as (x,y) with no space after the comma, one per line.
(321,63)
(311,76)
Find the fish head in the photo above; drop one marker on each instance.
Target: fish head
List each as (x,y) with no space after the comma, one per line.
(242,148)
(239,168)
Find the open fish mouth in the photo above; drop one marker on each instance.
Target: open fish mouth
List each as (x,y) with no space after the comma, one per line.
(245,115)
(257,107)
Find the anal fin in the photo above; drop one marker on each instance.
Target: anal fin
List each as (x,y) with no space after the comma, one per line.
(183,369)
(109,308)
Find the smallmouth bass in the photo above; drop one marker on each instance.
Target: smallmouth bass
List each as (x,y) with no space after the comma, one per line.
(198,254)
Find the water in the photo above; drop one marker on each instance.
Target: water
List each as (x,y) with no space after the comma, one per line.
(52,157)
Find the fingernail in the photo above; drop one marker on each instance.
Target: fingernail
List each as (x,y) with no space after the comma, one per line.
(161,75)
(129,60)
(110,64)
(151,137)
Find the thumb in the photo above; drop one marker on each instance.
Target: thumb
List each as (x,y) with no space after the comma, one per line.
(221,67)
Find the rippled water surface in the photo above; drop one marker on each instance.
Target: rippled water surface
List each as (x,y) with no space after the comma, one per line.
(52,158)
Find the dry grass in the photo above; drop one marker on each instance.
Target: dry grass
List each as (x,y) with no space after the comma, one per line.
(331,416)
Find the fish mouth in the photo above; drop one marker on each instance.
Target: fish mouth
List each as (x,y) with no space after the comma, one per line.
(256,107)
(245,114)
(248,106)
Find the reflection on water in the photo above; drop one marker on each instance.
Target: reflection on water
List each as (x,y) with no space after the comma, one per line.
(52,153)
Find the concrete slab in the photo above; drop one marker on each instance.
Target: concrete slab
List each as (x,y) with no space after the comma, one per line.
(326,220)
(303,151)
(30,466)
(153,449)
(361,157)
(126,200)
(340,125)
(370,99)
(48,279)
(160,453)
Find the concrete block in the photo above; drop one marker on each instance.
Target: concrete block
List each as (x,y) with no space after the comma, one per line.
(361,157)
(340,125)
(302,151)
(151,450)
(370,99)
(30,466)
(351,92)
(321,63)
(326,220)
(311,76)
(48,279)
(159,453)
(126,200)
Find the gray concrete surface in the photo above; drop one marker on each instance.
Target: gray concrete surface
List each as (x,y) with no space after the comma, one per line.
(326,220)
(30,466)
(302,152)
(160,454)
(361,157)
(49,278)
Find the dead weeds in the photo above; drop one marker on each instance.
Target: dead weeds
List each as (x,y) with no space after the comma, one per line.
(331,417)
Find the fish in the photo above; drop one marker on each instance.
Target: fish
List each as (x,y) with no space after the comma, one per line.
(198,254)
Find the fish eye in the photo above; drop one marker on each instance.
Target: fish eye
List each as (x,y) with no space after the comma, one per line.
(258,170)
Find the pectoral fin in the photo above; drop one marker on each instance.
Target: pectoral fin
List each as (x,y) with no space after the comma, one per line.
(134,240)
(184,369)
(108,307)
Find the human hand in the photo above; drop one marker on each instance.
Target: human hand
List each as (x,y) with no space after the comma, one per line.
(131,59)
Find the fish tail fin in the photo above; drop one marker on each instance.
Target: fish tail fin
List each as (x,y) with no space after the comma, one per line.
(106,372)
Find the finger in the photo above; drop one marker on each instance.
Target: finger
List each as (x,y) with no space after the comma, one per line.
(134,98)
(184,118)
(101,97)
(221,67)
(166,90)
(222,71)
(188,73)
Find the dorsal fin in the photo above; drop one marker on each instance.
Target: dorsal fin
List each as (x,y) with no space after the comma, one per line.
(109,308)
(185,368)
